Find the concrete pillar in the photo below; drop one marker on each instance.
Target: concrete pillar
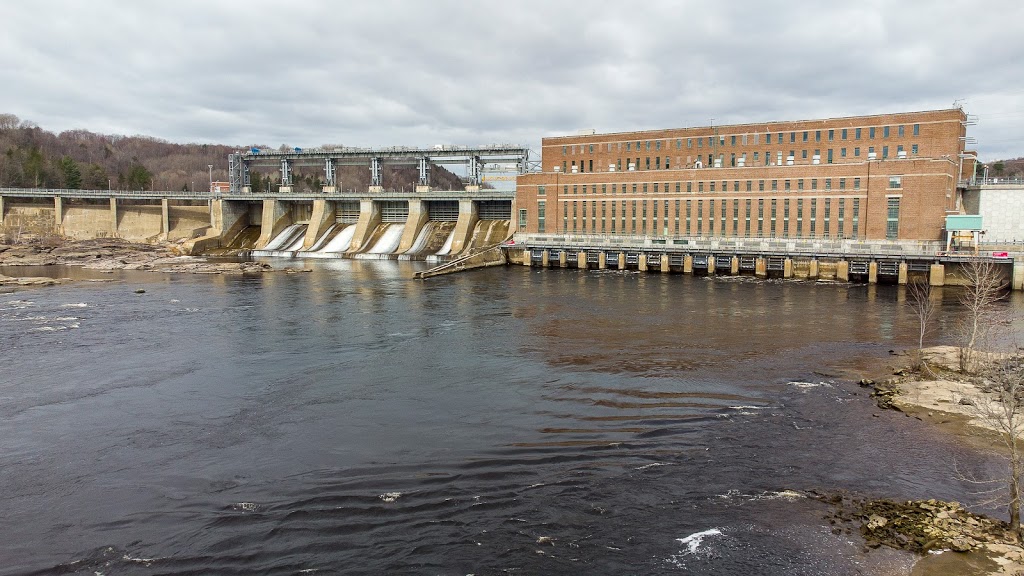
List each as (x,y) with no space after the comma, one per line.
(812,269)
(463,233)
(58,214)
(642,262)
(902,278)
(872,272)
(165,217)
(1,210)
(711,265)
(622,260)
(602,261)
(1017,282)
(562,259)
(687,264)
(937,275)
(581,260)
(545,259)
(787,268)
(113,216)
(414,224)
(761,268)
(228,218)
(276,217)
(665,268)
(734,266)
(843,271)
(369,219)
(320,222)
(285,190)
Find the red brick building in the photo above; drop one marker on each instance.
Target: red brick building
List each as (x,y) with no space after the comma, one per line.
(889,176)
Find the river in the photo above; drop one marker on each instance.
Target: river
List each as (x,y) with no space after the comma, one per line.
(514,420)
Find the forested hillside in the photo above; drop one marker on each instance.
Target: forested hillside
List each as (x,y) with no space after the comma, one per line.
(31,157)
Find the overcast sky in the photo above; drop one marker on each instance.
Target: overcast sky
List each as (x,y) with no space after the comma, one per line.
(422,72)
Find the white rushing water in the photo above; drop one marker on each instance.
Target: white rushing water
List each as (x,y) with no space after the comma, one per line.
(287,237)
(447,248)
(421,240)
(323,238)
(389,240)
(340,242)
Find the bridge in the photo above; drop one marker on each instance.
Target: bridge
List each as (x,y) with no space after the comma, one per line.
(475,160)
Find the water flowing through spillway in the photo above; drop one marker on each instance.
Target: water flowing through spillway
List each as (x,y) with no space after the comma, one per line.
(286,243)
(323,239)
(447,248)
(286,237)
(421,239)
(339,243)
(387,244)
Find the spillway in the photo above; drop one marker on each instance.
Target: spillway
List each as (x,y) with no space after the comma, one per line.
(286,243)
(446,249)
(388,237)
(333,244)
(431,238)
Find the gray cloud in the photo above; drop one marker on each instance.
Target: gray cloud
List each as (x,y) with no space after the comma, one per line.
(407,72)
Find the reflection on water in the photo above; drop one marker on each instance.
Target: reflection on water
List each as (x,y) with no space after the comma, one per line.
(353,420)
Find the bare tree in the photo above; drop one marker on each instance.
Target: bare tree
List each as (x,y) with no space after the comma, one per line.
(919,295)
(998,403)
(985,287)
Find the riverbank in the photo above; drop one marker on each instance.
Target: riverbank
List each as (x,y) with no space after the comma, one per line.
(932,389)
(109,254)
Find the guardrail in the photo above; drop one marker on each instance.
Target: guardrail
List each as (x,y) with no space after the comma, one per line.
(992,182)
(140,194)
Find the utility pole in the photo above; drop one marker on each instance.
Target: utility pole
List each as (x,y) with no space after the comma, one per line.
(210,166)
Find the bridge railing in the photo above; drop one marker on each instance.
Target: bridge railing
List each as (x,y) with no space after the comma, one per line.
(141,194)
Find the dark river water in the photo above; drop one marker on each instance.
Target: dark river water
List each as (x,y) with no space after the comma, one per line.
(505,421)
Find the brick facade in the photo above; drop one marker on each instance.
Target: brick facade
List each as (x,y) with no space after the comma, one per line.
(868,177)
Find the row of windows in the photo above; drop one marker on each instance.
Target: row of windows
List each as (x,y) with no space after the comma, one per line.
(712,186)
(734,160)
(743,139)
(689,218)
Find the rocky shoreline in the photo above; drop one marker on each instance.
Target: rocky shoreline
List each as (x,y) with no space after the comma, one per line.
(109,254)
(936,393)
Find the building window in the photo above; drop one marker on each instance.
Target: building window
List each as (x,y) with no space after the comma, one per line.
(677,219)
(805,135)
(522,219)
(785,218)
(800,184)
(885,131)
(688,217)
(799,217)
(780,138)
(760,185)
(749,185)
(700,217)
(842,183)
(817,135)
(803,154)
(774,211)
(711,187)
(540,191)
(842,214)
(746,222)
(913,149)
(788,185)
(613,216)
(814,183)
(831,135)
(856,217)
(643,216)
(844,133)
(895,182)
(842,152)
(775,185)
(541,209)
(856,183)
(871,133)
(892,219)
(735,217)
(856,134)
(899,131)
(885,151)
(828,216)
(736,186)
(711,218)
(632,227)
(917,129)
(733,140)
(814,214)
(657,144)
(760,217)
(856,152)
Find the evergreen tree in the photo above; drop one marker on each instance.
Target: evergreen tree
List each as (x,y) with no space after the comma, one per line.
(70,172)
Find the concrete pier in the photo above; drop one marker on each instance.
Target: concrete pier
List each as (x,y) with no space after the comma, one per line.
(322,219)
(622,260)
(761,268)
(787,268)
(665,264)
(1017,278)
(937,275)
(369,219)
(642,263)
(468,217)
(873,272)
(901,277)
(843,271)
(414,223)
(711,265)
(734,266)
(581,260)
(602,261)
